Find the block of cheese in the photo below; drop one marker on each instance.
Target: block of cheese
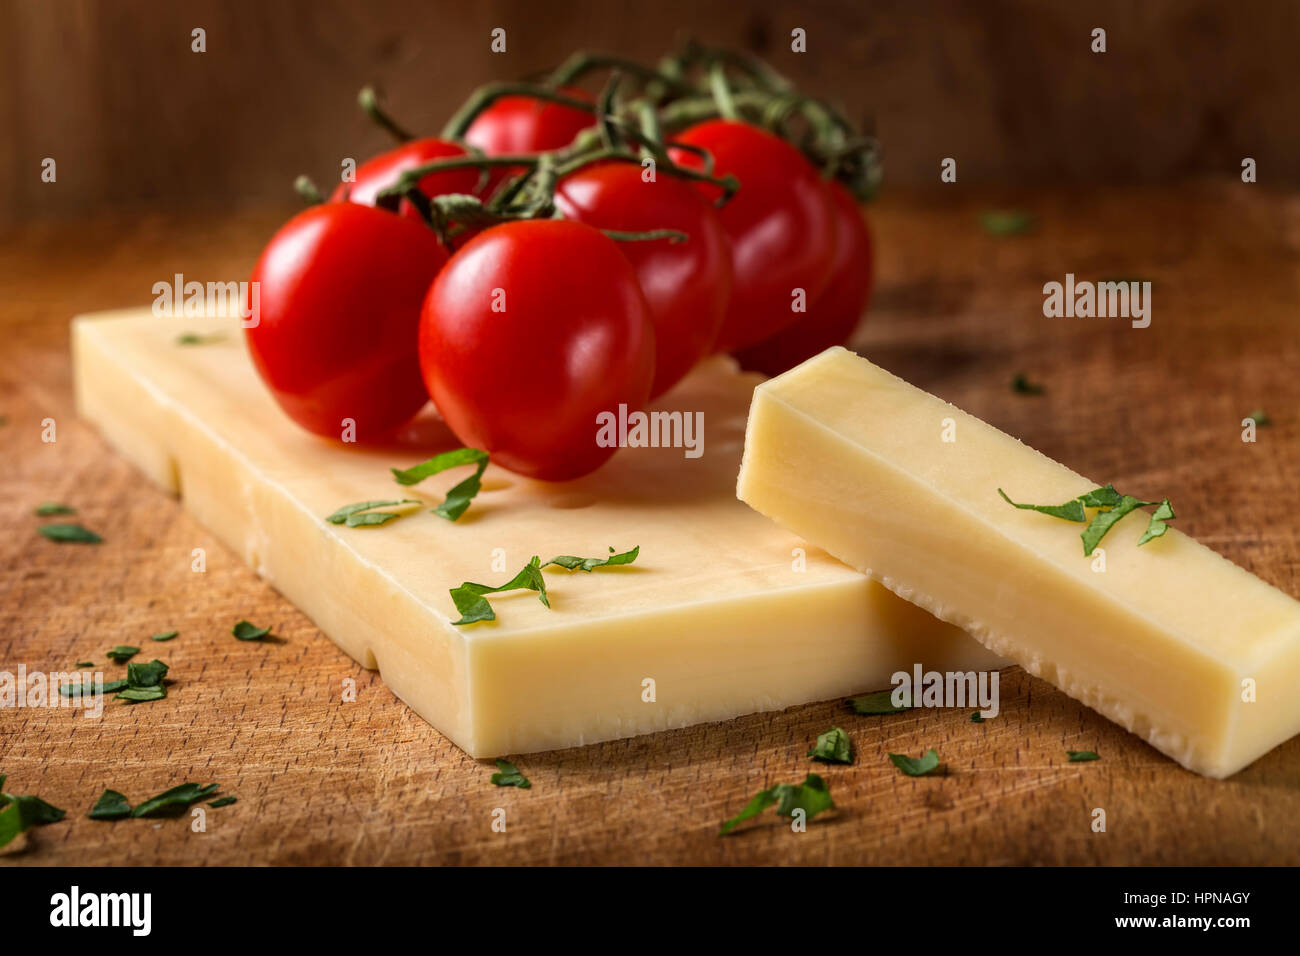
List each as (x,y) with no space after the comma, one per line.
(1170,640)
(725,613)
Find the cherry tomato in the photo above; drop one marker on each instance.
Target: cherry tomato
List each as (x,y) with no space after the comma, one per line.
(530,332)
(686,284)
(380,172)
(522,124)
(340,287)
(779,223)
(835,313)
(519,125)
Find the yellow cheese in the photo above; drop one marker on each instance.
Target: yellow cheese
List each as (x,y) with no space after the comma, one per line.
(1170,640)
(721,615)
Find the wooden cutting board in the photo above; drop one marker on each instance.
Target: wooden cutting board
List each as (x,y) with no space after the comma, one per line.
(957,311)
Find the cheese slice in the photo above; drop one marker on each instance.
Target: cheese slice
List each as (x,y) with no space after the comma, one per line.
(1170,640)
(721,615)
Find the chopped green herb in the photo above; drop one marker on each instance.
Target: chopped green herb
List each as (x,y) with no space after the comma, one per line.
(811,796)
(85,664)
(473,606)
(50,508)
(75,690)
(459,497)
(223,801)
(1022,386)
(138,695)
(18,813)
(110,806)
(1103,521)
(1260,418)
(65,533)
(362,514)
(1113,507)
(1157,526)
(1071,511)
(833,746)
(508,775)
(164,636)
(1082,756)
(977,718)
(122,653)
(245,631)
(1104,497)
(194,338)
(1009,222)
(881,702)
(571,563)
(146,675)
(916,766)
(171,803)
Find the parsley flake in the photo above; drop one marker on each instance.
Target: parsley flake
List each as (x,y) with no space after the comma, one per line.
(916,766)
(812,797)
(508,775)
(833,746)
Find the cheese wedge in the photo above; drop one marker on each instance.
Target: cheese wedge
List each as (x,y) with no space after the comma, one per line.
(1170,640)
(722,614)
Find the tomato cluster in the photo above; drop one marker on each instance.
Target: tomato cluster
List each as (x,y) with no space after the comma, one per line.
(524,329)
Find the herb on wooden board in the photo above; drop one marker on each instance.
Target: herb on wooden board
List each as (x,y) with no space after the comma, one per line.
(69,534)
(223,801)
(173,802)
(1112,506)
(1082,756)
(244,631)
(76,690)
(50,508)
(1007,222)
(812,797)
(164,636)
(19,813)
(122,653)
(1022,386)
(460,496)
(916,766)
(110,806)
(508,775)
(833,746)
(1260,418)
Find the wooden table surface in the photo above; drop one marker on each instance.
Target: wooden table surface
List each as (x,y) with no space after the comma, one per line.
(957,311)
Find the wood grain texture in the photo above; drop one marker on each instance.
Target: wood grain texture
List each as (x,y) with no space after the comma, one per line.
(959,312)
(111,90)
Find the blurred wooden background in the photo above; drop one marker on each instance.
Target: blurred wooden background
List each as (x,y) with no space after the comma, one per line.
(111,90)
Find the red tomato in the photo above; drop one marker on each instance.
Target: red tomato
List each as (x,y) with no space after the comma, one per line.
(522,124)
(380,172)
(686,284)
(518,125)
(835,313)
(340,288)
(780,225)
(530,332)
